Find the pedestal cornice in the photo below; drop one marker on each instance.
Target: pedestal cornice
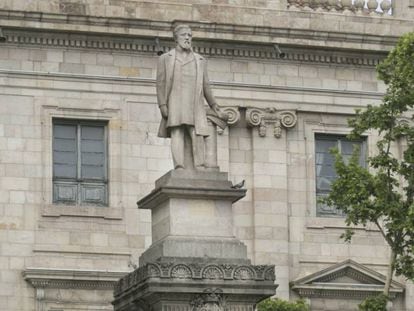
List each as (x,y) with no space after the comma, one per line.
(191,185)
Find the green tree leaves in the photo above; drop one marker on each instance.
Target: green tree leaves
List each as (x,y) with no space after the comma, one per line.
(383,193)
(282,305)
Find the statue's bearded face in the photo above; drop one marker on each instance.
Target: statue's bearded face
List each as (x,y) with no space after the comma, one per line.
(184,38)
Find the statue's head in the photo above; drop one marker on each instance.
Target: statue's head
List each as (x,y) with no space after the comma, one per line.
(183,36)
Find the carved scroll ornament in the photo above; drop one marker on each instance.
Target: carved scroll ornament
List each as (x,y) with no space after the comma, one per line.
(261,118)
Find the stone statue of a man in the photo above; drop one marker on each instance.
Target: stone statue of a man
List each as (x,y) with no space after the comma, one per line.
(182,90)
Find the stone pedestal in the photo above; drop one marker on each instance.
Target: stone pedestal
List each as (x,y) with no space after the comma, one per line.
(195,261)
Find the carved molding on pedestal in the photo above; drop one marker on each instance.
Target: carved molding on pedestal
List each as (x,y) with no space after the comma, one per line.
(261,118)
(195,271)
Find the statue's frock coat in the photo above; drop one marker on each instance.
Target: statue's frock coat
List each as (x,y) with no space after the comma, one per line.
(182,95)
(165,80)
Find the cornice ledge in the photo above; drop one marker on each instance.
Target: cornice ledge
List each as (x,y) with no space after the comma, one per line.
(145,44)
(116,26)
(67,278)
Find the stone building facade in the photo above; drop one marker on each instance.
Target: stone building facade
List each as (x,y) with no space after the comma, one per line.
(77,88)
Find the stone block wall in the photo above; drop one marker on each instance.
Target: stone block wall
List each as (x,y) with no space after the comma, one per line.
(89,77)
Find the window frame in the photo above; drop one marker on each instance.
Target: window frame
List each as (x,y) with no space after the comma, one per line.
(338,138)
(323,124)
(81,183)
(113,116)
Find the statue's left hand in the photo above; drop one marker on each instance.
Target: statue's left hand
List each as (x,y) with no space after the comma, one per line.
(164,111)
(222,115)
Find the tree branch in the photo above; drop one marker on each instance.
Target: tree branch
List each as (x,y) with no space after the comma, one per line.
(389,241)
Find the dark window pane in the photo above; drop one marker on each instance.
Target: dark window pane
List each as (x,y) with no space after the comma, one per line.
(93,152)
(94,172)
(64,151)
(324,159)
(326,170)
(324,183)
(96,159)
(61,144)
(92,146)
(64,171)
(67,131)
(324,145)
(92,132)
(60,157)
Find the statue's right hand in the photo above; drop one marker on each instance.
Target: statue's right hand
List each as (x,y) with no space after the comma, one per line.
(164,111)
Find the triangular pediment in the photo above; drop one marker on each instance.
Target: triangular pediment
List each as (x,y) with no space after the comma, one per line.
(347,278)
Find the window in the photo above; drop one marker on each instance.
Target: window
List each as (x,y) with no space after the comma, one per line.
(80,162)
(325,166)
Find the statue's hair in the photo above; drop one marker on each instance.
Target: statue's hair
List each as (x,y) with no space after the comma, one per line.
(178,28)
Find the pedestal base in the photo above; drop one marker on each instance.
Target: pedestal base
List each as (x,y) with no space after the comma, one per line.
(195,262)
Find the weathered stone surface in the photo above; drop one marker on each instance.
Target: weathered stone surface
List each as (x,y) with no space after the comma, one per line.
(212,249)
(194,260)
(192,217)
(157,285)
(333,62)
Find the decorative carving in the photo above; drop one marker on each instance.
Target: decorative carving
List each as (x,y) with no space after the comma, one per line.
(288,118)
(233,113)
(154,270)
(244,273)
(254,116)
(262,117)
(165,268)
(40,293)
(181,271)
(213,272)
(195,271)
(228,270)
(329,282)
(212,299)
(269,273)
(260,269)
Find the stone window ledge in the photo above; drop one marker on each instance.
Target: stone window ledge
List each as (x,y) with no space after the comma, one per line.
(56,210)
(334,223)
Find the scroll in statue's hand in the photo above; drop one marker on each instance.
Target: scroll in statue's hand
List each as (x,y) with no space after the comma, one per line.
(164,111)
